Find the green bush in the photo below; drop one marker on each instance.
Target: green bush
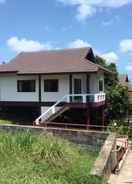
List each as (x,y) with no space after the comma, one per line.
(117,99)
(121,126)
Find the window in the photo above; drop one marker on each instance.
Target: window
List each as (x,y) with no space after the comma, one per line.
(51,85)
(26,85)
(101,85)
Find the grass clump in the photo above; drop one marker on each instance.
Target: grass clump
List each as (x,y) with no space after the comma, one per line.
(5,122)
(27,158)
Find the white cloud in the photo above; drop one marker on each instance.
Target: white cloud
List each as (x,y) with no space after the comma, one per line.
(86,8)
(111,21)
(126,45)
(107,22)
(129,68)
(85,11)
(78,43)
(25,45)
(110,57)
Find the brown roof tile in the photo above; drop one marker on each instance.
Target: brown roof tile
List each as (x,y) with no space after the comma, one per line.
(123,78)
(124,81)
(57,61)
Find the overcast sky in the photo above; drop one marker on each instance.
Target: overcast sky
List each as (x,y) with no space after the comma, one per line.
(31,25)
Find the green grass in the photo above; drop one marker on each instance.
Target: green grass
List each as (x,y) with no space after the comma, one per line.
(5,122)
(44,159)
(130,97)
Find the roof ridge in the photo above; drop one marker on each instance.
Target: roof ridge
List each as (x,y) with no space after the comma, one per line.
(56,50)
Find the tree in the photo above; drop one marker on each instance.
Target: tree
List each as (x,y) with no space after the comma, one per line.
(3,62)
(110,78)
(117,101)
(117,96)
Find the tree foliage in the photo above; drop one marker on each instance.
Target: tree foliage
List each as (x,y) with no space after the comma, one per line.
(117,101)
(117,96)
(110,78)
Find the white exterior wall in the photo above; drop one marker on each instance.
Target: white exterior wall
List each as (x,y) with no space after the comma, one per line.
(63,88)
(45,108)
(94,82)
(8,87)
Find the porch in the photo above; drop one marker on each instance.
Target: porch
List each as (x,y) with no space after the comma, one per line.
(82,101)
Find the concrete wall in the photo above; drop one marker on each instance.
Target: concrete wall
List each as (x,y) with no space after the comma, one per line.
(107,159)
(95,141)
(92,139)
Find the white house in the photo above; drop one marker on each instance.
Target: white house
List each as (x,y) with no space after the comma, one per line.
(50,80)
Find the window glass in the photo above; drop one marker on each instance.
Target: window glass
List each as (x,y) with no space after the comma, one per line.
(26,85)
(51,85)
(101,85)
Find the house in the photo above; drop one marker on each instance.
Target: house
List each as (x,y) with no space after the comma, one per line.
(124,81)
(64,85)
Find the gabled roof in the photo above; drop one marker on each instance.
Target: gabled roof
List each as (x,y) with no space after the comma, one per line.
(51,62)
(130,87)
(123,78)
(124,81)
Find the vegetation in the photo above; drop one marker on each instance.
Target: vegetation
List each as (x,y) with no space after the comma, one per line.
(5,122)
(117,97)
(117,102)
(44,159)
(121,126)
(111,79)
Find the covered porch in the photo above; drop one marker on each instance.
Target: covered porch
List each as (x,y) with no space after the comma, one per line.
(86,91)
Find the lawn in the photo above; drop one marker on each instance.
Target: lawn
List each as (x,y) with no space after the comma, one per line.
(43,159)
(5,122)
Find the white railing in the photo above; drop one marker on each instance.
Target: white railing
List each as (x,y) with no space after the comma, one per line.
(72,98)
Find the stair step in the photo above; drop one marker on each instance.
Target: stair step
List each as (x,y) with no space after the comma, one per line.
(58,113)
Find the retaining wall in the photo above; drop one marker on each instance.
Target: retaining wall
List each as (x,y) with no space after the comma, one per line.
(107,159)
(93,139)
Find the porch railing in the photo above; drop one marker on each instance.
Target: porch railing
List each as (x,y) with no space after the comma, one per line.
(71,98)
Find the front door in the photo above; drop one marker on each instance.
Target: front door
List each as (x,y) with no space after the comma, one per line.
(77,90)
(77,86)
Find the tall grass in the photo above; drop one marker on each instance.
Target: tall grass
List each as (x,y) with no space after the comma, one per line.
(26,158)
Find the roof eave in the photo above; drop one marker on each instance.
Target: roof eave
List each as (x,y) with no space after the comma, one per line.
(2,72)
(55,73)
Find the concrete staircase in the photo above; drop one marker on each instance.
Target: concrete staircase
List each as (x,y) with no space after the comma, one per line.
(58,113)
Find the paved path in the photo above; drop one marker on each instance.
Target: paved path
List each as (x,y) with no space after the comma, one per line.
(125,176)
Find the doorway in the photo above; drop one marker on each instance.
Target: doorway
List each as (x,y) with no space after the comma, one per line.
(77,89)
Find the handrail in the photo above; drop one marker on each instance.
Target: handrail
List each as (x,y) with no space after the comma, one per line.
(97,98)
(37,121)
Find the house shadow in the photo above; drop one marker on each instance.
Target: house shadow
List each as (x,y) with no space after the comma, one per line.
(18,115)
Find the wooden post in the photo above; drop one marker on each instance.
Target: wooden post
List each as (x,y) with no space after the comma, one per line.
(39,86)
(87,87)
(87,83)
(88,118)
(103,118)
(70,86)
